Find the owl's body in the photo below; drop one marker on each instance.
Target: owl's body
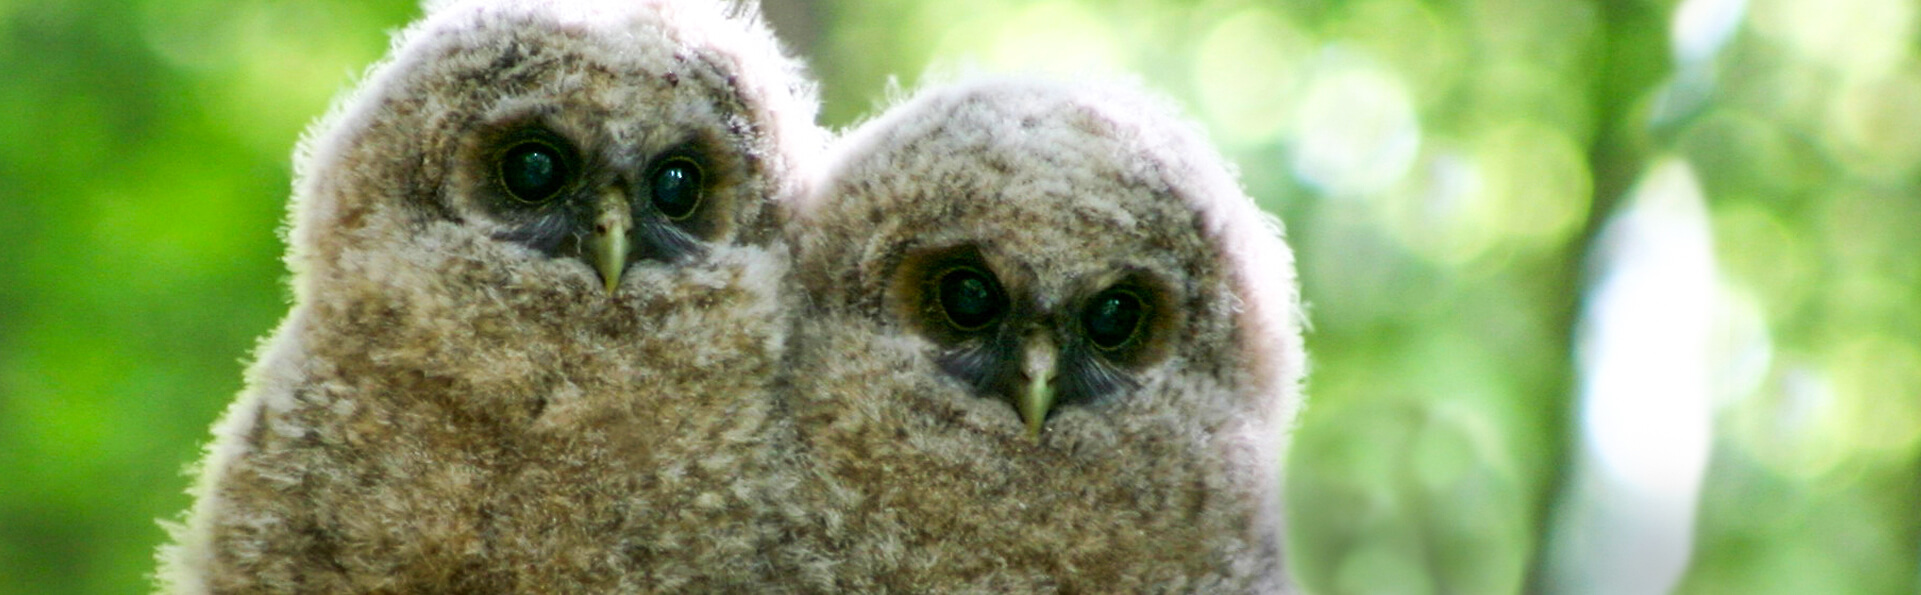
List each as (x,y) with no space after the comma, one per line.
(521,251)
(1049,344)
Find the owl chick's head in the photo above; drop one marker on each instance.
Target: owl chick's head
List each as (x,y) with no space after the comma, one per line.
(554,143)
(1057,248)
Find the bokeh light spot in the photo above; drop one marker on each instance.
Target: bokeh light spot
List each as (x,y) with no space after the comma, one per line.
(1756,248)
(1790,427)
(1859,37)
(1356,132)
(1055,37)
(1877,381)
(1537,182)
(1868,266)
(1518,185)
(1440,210)
(1423,46)
(1245,71)
(1876,125)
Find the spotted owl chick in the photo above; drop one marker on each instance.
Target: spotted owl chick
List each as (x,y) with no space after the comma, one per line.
(536,311)
(1050,344)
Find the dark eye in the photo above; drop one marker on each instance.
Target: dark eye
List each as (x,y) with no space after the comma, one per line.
(1114,318)
(969,298)
(677,188)
(533,171)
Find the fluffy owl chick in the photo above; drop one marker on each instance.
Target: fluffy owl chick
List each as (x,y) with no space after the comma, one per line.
(1050,344)
(536,311)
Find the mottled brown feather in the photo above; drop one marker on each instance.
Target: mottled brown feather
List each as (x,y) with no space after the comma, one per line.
(912,480)
(445,410)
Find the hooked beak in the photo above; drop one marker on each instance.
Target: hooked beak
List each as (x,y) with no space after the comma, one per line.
(608,247)
(1036,397)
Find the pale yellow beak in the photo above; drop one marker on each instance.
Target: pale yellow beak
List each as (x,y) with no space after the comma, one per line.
(1037,398)
(608,247)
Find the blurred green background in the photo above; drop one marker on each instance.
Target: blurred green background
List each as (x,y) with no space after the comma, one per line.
(1607,295)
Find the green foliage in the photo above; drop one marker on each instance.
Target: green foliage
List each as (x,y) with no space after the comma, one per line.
(1443,167)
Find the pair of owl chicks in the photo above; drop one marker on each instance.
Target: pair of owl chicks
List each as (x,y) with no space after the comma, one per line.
(584,301)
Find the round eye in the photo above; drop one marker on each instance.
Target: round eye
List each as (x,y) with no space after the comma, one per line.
(970,298)
(1114,318)
(677,188)
(533,171)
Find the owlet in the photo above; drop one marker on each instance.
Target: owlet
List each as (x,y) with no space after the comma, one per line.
(536,313)
(1049,344)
